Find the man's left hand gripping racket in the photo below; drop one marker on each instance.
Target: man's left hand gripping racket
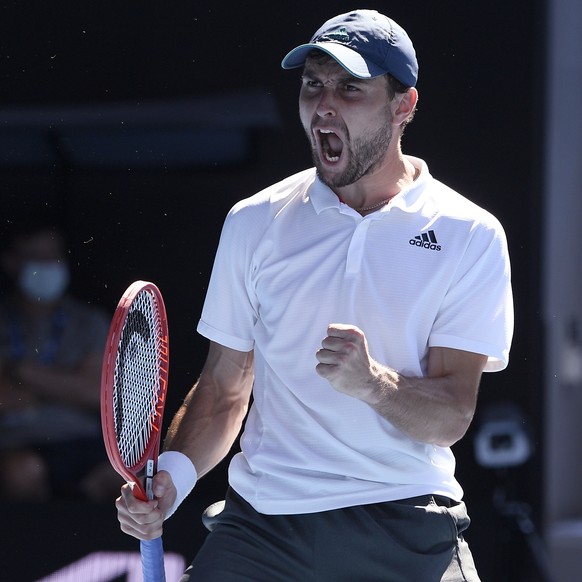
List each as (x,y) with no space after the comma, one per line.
(133,394)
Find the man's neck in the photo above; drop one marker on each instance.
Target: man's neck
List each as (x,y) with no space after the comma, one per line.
(381,185)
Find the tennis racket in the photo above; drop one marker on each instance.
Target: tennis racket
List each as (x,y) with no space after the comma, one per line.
(134,381)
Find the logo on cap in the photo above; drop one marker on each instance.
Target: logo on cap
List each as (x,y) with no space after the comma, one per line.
(340,35)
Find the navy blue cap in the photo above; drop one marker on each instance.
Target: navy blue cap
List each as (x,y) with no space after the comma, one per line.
(366,43)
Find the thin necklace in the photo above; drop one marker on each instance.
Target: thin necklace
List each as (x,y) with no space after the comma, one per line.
(373,206)
(383,202)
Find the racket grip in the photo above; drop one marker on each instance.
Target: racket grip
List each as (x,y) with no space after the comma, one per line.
(152,560)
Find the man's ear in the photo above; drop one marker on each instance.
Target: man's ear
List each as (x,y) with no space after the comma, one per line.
(404,105)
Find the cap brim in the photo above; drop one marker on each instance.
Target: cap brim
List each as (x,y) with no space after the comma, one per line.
(349,59)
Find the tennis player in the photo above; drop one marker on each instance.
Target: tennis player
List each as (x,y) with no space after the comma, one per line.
(359,301)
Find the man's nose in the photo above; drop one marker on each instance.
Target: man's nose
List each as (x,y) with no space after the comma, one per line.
(327,105)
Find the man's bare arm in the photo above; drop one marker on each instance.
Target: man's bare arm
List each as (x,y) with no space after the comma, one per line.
(207,424)
(435,409)
(204,429)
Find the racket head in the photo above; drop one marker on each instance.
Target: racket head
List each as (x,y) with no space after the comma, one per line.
(134,381)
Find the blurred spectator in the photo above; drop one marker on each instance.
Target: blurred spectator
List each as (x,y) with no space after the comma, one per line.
(51,350)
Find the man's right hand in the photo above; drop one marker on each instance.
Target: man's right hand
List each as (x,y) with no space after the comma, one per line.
(144,519)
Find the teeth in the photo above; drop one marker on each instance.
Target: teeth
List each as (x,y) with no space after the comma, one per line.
(328,156)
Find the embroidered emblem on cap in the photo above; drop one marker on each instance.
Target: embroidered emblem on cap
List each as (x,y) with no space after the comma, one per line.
(340,35)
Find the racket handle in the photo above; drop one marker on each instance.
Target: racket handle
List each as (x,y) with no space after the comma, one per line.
(152,560)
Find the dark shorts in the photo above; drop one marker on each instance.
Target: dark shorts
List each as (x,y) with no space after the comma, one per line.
(412,540)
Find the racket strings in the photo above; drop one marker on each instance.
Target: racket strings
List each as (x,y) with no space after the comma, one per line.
(136,379)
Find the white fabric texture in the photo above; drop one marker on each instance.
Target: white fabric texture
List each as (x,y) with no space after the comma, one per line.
(429,269)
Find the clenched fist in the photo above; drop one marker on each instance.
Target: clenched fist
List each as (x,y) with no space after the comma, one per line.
(344,361)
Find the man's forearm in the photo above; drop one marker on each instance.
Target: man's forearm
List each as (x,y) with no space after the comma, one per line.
(205,428)
(426,409)
(209,421)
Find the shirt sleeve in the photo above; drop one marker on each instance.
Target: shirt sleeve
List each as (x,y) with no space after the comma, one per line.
(230,309)
(477,312)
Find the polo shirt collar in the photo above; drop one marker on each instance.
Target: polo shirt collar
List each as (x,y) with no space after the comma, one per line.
(323,198)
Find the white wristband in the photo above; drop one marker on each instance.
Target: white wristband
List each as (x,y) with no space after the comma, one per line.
(183,475)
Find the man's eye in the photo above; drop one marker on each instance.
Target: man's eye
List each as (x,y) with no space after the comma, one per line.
(351,88)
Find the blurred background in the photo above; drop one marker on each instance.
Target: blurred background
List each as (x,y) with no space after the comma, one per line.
(141,123)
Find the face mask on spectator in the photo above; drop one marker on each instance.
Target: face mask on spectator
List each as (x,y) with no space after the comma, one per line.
(44,281)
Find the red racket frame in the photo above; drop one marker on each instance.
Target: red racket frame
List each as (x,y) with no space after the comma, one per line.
(132,474)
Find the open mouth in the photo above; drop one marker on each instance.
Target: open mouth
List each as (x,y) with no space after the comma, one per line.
(330,144)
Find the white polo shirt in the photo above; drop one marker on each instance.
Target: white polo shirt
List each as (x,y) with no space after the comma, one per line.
(429,269)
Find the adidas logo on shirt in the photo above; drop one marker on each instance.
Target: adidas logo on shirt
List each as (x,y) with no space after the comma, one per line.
(426,240)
